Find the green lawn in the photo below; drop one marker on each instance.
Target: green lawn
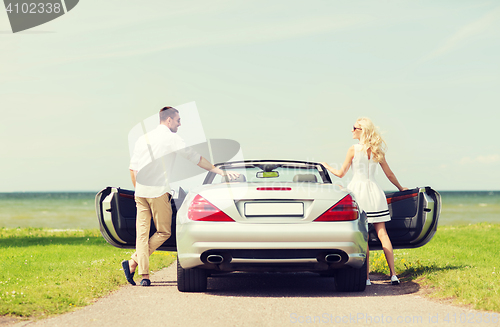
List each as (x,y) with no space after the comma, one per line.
(48,272)
(461,263)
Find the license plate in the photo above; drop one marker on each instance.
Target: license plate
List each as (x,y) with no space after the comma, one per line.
(267,209)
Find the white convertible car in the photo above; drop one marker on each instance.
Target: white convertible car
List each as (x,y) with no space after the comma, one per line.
(277,216)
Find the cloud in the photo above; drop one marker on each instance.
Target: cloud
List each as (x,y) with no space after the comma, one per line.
(484,160)
(467,32)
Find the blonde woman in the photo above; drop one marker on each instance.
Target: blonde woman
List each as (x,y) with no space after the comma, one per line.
(364,158)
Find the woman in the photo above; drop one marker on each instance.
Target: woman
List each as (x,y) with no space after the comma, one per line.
(364,158)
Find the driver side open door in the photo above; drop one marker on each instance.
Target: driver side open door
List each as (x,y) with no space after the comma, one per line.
(116,212)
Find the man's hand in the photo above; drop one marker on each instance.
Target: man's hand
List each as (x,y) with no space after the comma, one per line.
(230,175)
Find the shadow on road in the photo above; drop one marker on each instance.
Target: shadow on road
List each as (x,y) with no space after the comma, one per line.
(297,285)
(164,283)
(304,284)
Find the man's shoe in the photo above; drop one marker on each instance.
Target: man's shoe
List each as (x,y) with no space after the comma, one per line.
(128,274)
(368,283)
(145,282)
(394,280)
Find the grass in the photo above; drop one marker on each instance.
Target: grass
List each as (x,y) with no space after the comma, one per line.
(460,264)
(48,272)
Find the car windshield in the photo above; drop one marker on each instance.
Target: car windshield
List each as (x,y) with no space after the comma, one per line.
(273,172)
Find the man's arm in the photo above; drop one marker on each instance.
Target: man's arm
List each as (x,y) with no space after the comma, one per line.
(191,155)
(205,164)
(133,176)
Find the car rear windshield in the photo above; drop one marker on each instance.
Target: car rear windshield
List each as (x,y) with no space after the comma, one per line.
(273,173)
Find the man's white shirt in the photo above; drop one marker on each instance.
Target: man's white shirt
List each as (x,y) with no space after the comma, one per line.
(153,159)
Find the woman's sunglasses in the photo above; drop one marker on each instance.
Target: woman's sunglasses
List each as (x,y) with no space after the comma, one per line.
(355,128)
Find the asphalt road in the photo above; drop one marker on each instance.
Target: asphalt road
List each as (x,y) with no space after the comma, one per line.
(265,300)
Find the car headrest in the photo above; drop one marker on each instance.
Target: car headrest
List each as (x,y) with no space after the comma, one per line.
(310,178)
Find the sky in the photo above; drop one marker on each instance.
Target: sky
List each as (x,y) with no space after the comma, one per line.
(285,79)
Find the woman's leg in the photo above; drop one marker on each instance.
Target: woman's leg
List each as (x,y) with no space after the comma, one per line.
(367,262)
(386,245)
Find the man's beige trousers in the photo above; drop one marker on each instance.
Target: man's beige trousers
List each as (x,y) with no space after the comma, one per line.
(160,210)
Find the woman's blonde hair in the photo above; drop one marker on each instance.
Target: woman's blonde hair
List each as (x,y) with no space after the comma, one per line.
(371,139)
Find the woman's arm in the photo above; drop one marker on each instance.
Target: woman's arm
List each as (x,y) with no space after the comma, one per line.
(345,166)
(390,175)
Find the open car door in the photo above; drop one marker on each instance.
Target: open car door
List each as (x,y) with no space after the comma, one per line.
(414,218)
(116,212)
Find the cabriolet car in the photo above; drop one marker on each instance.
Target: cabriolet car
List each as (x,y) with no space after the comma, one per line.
(278,215)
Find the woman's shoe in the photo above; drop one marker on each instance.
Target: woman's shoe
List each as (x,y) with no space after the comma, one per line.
(368,283)
(394,280)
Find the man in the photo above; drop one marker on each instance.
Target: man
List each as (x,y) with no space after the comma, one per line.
(150,168)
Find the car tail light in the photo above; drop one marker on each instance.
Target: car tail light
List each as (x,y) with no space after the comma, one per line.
(345,210)
(401,197)
(202,210)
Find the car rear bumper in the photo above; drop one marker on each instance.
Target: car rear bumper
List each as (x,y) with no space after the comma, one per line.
(271,247)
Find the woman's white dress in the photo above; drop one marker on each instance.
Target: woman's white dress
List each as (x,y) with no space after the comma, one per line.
(367,192)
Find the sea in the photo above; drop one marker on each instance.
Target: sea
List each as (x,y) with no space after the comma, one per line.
(76,210)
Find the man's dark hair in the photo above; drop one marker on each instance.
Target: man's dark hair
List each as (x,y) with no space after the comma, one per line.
(166,112)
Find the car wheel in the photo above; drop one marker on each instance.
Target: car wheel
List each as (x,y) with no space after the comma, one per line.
(191,280)
(351,279)
(328,273)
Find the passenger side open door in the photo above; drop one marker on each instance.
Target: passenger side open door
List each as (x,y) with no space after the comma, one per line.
(414,218)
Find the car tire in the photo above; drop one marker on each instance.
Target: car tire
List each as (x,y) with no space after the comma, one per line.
(191,280)
(351,279)
(328,273)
